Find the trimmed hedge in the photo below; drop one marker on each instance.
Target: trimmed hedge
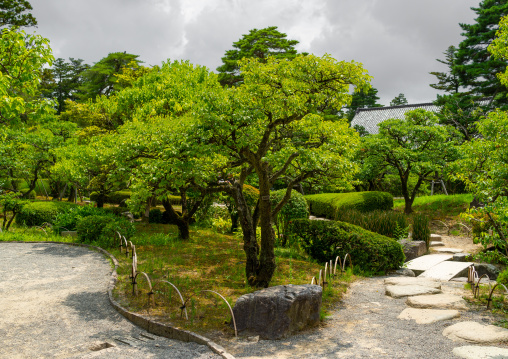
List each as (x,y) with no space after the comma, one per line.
(388,223)
(328,204)
(324,240)
(37,213)
(101,229)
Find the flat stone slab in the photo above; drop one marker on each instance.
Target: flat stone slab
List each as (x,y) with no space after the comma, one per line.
(421,264)
(426,282)
(437,301)
(428,316)
(448,250)
(474,332)
(435,237)
(400,291)
(436,244)
(478,352)
(447,270)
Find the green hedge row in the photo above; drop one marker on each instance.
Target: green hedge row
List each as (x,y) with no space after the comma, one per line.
(329,204)
(118,197)
(38,213)
(324,240)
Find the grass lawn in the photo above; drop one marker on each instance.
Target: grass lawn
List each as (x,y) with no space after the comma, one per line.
(208,261)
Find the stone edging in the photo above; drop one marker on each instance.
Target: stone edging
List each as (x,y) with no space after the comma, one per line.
(150,326)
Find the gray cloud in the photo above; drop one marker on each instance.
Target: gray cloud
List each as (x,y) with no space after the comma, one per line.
(396,40)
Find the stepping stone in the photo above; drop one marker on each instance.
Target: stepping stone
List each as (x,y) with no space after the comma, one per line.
(449,250)
(447,270)
(400,291)
(426,282)
(428,316)
(421,264)
(460,257)
(436,244)
(477,352)
(437,301)
(435,237)
(474,332)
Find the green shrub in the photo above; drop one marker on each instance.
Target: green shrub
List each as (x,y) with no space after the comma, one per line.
(330,204)
(155,216)
(324,240)
(118,197)
(37,213)
(388,223)
(421,229)
(117,211)
(101,229)
(251,195)
(68,219)
(295,208)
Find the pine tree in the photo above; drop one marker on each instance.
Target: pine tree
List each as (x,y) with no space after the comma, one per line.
(475,67)
(399,100)
(447,81)
(256,44)
(367,99)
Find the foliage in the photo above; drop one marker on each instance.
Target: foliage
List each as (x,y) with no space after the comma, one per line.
(324,240)
(68,219)
(101,229)
(10,203)
(438,206)
(330,205)
(385,222)
(421,229)
(15,13)
(399,100)
(474,65)
(23,57)
(155,216)
(101,78)
(258,44)
(362,99)
(118,197)
(38,213)
(295,208)
(270,128)
(448,82)
(413,146)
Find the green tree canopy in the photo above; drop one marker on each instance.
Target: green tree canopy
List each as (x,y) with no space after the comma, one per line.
(16,13)
(362,99)
(413,146)
(447,81)
(258,44)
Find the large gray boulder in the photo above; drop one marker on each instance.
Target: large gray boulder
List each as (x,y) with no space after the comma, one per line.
(413,249)
(276,312)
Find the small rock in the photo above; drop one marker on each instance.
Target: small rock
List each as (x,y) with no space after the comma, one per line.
(474,332)
(406,272)
(253,339)
(428,316)
(477,352)
(413,249)
(400,291)
(437,301)
(460,257)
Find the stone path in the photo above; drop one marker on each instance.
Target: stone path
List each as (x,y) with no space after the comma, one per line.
(54,304)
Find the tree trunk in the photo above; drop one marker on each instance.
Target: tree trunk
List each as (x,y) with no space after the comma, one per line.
(250,245)
(267,255)
(182,222)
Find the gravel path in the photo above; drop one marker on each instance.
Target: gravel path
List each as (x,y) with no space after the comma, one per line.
(366,326)
(54,304)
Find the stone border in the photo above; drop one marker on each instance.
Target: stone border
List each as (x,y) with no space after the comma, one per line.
(150,326)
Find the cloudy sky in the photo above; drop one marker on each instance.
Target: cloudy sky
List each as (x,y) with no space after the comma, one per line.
(398,41)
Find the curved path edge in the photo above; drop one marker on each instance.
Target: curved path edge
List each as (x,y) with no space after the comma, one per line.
(150,326)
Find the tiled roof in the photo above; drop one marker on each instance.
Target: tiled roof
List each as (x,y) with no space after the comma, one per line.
(369,118)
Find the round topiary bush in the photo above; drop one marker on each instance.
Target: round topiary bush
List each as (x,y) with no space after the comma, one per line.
(101,229)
